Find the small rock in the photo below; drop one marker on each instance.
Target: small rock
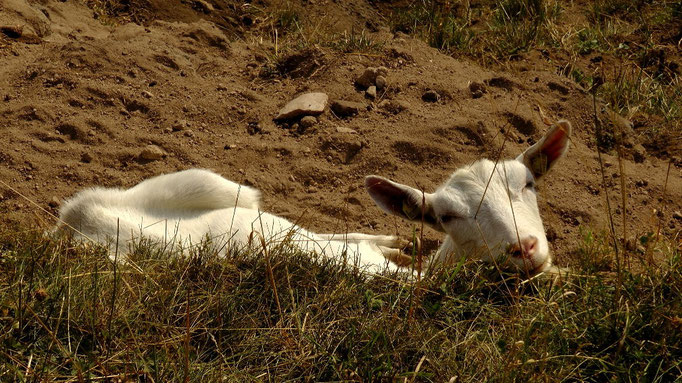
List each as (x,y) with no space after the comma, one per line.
(152,153)
(346,108)
(230,146)
(394,106)
(641,183)
(431,96)
(189,133)
(254,127)
(54,202)
(677,215)
(86,157)
(307,121)
(147,94)
(305,104)
(371,92)
(369,76)
(638,153)
(477,89)
(551,234)
(180,125)
(341,129)
(380,82)
(204,6)
(607,164)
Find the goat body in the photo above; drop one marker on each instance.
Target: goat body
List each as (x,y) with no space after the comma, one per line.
(179,210)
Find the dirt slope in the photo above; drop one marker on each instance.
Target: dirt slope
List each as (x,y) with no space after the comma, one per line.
(80,99)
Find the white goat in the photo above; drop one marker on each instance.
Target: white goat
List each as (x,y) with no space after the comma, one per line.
(181,209)
(486,209)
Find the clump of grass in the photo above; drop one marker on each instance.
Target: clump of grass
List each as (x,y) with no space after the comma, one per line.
(67,313)
(502,31)
(113,12)
(354,42)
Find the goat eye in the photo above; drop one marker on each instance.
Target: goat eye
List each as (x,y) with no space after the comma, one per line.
(530,185)
(448,218)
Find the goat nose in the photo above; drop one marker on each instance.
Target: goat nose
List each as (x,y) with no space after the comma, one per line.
(527,249)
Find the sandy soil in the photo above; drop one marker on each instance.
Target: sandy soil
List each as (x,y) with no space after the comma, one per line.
(81,98)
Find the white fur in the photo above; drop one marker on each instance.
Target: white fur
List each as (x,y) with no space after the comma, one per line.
(181,209)
(487,210)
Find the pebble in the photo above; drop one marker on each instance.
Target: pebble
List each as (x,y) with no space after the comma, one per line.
(677,215)
(346,108)
(147,94)
(54,202)
(308,121)
(341,129)
(369,76)
(431,96)
(372,92)
(380,82)
(477,89)
(180,125)
(305,104)
(638,153)
(394,106)
(152,153)
(86,157)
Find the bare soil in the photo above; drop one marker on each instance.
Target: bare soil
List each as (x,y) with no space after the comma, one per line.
(81,96)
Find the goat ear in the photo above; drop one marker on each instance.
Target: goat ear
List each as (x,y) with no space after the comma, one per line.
(540,157)
(401,200)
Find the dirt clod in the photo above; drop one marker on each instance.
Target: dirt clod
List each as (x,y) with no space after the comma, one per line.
(152,153)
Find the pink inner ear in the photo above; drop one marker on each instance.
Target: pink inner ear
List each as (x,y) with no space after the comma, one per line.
(385,194)
(555,145)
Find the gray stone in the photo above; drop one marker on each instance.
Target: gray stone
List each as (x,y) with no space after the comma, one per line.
(347,108)
(371,92)
(304,105)
(152,153)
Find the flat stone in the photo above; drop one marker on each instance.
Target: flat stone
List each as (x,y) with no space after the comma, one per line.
(341,129)
(304,105)
(344,108)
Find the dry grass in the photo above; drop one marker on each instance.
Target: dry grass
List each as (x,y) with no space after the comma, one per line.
(69,314)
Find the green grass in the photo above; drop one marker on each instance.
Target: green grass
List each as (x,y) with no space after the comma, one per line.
(70,314)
